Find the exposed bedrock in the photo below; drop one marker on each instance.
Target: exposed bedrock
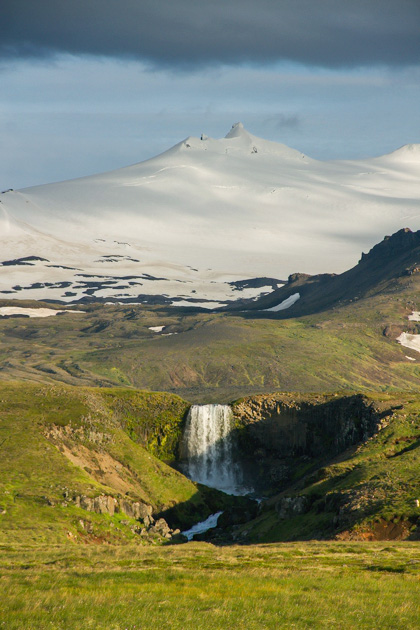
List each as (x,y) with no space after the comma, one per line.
(105,504)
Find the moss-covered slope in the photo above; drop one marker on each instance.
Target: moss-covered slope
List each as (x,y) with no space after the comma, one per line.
(218,357)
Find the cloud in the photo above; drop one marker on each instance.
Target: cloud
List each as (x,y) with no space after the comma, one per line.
(282,121)
(185,33)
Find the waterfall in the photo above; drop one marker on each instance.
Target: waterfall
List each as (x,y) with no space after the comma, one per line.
(208,448)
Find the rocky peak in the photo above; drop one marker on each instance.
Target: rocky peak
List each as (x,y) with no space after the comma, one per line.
(394,245)
(298,277)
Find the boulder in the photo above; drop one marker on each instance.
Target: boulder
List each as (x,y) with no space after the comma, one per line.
(138,510)
(161,528)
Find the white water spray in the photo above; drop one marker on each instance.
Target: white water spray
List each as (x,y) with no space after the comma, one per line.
(208,448)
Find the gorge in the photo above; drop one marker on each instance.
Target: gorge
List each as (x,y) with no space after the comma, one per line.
(92,464)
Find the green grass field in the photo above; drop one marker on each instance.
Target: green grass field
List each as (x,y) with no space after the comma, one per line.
(304,586)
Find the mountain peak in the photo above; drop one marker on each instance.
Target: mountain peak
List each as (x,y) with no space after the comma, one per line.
(238,142)
(238,131)
(406,153)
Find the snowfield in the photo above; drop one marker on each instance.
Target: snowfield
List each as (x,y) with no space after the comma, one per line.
(7,311)
(190,222)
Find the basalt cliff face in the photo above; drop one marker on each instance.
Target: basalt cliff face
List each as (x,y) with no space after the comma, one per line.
(277,433)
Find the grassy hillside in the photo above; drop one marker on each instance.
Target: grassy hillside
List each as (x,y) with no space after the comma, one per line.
(339,336)
(59,444)
(63,448)
(219,357)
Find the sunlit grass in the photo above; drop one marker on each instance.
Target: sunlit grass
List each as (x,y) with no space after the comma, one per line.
(197,586)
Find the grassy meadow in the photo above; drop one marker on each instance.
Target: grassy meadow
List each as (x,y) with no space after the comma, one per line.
(201,587)
(218,357)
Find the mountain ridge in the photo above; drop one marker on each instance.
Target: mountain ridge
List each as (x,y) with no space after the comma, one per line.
(395,256)
(201,216)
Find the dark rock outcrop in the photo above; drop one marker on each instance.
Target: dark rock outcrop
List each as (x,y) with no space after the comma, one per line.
(307,427)
(238,515)
(392,246)
(287,507)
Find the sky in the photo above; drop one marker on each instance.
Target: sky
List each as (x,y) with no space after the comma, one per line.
(93,85)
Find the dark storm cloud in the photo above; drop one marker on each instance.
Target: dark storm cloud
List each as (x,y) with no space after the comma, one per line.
(183,32)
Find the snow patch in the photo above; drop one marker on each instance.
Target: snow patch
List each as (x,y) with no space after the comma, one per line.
(409,341)
(208,305)
(287,303)
(156,329)
(415,316)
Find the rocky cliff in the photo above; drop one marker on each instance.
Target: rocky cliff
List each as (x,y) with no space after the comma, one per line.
(280,433)
(344,467)
(396,257)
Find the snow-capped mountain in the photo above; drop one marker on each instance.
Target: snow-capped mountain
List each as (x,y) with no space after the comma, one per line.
(190,224)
